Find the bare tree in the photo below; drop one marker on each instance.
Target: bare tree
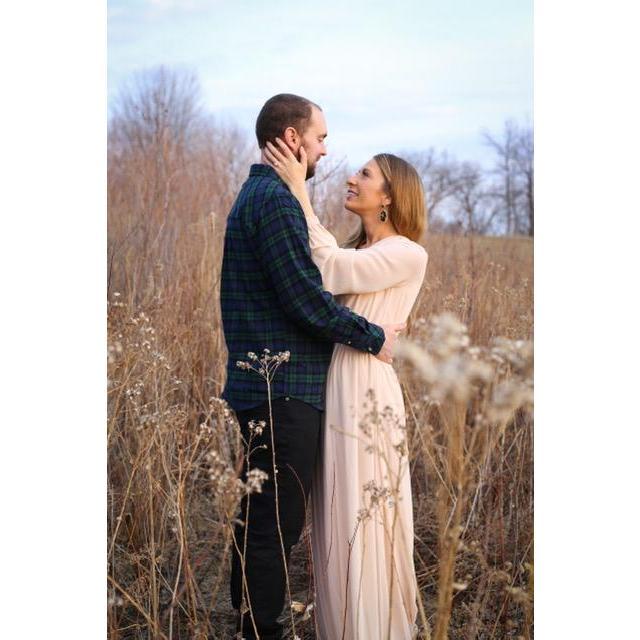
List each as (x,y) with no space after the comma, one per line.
(524,160)
(473,208)
(505,170)
(169,166)
(437,173)
(157,109)
(514,174)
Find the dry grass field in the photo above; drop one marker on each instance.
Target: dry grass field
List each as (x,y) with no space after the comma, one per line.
(174,448)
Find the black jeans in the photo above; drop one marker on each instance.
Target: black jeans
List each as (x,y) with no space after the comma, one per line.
(296,427)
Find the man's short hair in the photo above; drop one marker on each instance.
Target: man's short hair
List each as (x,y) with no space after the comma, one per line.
(282,111)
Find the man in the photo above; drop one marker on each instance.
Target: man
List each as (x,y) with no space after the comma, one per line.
(272,298)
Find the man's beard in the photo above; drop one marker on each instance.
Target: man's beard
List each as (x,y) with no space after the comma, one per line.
(311,168)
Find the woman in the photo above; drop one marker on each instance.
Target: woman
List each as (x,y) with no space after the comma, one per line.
(362,520)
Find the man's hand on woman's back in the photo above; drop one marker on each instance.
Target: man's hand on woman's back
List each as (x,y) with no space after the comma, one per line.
(391,332)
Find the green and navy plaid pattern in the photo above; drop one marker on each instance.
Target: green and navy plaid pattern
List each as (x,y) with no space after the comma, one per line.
(272,298)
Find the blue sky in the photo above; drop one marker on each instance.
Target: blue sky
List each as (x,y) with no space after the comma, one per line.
(390,76)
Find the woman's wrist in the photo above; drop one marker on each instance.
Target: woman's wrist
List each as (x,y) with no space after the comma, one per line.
(305,203)
(300,192)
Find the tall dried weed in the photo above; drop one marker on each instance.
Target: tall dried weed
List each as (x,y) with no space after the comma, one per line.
(175,450)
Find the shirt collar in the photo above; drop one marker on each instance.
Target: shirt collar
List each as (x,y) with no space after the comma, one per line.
(263,170)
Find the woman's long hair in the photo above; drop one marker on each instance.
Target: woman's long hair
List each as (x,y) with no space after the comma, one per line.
(407,211)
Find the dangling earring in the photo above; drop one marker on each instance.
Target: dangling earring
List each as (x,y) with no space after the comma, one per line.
(383,214)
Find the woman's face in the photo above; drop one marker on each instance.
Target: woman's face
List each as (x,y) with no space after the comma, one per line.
(365,190)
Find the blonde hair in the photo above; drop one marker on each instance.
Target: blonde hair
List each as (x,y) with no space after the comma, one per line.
(407,211)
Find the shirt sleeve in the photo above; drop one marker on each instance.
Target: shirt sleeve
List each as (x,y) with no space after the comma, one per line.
(283,251)
(379,267)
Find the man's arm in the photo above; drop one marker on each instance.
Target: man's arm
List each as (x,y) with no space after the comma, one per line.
(283,251)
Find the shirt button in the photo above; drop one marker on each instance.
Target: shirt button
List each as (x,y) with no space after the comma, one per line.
(348,341)
(287,399)
(369,348)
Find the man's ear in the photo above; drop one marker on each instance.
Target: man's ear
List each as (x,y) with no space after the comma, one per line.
(292,139)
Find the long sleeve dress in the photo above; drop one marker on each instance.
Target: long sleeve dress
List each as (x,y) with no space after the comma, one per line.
(362,517)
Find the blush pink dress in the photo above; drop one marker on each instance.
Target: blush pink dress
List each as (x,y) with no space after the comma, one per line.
(362,517)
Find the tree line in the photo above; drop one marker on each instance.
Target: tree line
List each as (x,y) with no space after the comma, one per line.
(464,198)
(158,121)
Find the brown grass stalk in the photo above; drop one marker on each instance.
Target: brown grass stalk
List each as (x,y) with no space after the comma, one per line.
(171,180)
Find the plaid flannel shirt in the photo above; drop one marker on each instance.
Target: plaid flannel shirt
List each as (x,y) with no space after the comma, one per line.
(272,298)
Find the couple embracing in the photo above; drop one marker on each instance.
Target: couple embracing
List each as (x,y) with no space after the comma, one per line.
(336,405)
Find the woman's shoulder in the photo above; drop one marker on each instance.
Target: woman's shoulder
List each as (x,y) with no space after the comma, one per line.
(408,244)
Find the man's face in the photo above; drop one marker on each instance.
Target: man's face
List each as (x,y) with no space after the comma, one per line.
(313,141)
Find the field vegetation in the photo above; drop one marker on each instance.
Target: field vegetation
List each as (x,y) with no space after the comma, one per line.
(174,449)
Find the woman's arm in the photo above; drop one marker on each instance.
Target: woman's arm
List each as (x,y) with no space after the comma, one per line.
(384,265)
(293,173)
(346,270)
